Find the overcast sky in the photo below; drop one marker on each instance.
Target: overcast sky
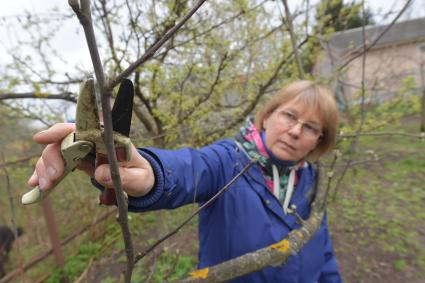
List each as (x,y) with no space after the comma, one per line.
(73,45)
(16,7)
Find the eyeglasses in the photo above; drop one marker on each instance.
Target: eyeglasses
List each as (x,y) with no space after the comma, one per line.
(309,130)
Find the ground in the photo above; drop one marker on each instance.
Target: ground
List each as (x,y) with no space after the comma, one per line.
(377,219)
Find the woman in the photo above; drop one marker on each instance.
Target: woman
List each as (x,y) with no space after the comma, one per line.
(296,126)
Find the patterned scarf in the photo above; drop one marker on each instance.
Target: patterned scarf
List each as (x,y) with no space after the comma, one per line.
(254,144)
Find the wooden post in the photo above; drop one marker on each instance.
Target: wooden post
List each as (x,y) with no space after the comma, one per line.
(422,126)
(53,232)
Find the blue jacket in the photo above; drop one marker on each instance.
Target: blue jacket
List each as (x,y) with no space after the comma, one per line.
(245,218)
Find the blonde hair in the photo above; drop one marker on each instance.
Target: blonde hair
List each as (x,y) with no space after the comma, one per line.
(312,96)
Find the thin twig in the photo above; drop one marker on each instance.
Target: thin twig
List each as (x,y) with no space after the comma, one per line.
(142,254)
(331,172)
(363,89)
(85,272)
(152,268)
(19,160)
(293,37)
(364,134)
(151,50)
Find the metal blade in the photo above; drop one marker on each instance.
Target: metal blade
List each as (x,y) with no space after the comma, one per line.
(87,117)
(123,108)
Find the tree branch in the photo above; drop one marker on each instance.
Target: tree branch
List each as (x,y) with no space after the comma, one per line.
(204,97)
(290,27)
(151,51)
(67,96)
(84,15)
(19,160)
(419,136)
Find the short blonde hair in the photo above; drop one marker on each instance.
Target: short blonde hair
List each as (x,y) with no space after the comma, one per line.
(313,96)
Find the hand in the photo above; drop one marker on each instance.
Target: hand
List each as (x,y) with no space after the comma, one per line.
(137,176)
(50,166)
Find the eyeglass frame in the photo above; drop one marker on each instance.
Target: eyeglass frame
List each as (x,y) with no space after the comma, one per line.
(317,132)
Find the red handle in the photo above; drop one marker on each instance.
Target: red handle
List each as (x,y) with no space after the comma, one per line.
(108,197)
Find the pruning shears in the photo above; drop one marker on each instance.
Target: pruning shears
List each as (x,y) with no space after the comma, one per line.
(86,142)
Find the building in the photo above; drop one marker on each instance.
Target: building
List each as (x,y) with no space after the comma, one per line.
(396,59)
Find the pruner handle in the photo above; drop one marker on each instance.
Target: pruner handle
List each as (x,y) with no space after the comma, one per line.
(72,152)
(108,196)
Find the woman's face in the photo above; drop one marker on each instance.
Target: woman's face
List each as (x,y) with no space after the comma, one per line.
(292,131)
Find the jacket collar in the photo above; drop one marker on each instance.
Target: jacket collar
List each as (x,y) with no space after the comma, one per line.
(299,199)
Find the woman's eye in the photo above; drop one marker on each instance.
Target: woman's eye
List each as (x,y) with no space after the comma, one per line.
(290,116)
(311,128)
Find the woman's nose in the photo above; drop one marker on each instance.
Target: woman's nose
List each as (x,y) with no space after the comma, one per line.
(296,130)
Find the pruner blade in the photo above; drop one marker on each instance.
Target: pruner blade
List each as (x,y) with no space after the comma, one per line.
(123,108)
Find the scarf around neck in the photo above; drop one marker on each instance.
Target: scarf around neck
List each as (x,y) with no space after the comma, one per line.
(280,175)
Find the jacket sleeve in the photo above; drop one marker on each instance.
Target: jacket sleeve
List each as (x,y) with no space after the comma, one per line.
(330,272)
(185,175)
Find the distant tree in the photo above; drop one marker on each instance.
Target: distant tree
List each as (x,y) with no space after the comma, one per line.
(337,15)
(333,16)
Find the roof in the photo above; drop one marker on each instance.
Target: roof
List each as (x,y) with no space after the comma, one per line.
(406,31)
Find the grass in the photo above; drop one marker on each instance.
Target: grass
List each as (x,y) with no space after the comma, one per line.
(76,264)
(379,213)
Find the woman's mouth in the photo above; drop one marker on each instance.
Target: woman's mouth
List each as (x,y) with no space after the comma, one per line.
(287,145)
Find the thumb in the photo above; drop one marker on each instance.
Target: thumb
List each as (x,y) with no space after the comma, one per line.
(102,175)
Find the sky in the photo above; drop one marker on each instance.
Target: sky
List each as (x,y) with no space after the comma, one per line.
(15,7)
